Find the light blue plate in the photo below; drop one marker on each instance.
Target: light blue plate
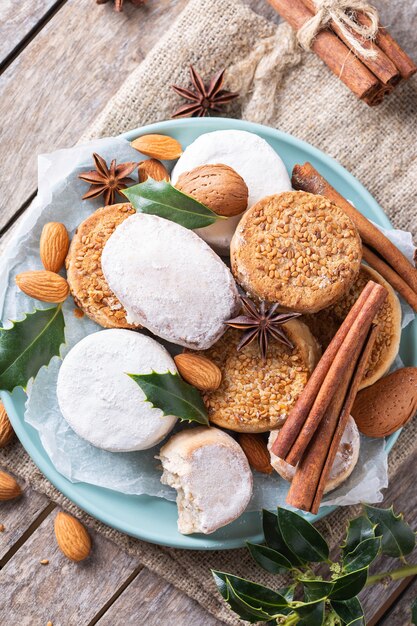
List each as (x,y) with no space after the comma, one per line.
(154,519)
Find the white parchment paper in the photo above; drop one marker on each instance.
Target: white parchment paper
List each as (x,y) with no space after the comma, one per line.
(59,199)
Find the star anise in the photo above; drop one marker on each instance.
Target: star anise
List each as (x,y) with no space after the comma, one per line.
(261,324)
(118,4)
(203,99)
(107,181)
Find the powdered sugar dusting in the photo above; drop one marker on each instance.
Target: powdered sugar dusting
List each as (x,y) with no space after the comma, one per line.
(101,403)
(169,281)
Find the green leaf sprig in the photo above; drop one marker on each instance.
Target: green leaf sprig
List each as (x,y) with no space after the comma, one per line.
(292,545)
(30,344)
(170,393)
(164,200)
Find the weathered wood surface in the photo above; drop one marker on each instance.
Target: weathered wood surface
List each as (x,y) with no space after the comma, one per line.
(400,614)
(63,592)
(17,516)
(18,20)
(149,600)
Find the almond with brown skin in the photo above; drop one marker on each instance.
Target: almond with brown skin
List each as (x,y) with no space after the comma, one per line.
(199,371)
(43,285)
(9,488)
(72,537)
(218,186)
(152,168)
(255,448)
(388,404)
(6,429)
(158,147)
(53,246)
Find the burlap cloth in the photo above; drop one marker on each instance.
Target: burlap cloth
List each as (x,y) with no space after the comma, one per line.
(295,93)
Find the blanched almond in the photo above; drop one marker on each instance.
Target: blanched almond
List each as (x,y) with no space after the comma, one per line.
(152,168)
(158,146)
(199,371)
(73,539)
(54,244)
(43,285)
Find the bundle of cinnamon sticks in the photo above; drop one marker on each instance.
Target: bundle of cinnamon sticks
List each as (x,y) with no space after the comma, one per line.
(314,427)
(378,251)
(370,78)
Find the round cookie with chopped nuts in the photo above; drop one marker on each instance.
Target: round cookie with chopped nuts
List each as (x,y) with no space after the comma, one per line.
(255,395)
(297,249)
(325,323)
(87,283)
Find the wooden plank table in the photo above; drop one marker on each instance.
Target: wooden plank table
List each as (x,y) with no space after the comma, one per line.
(60,61)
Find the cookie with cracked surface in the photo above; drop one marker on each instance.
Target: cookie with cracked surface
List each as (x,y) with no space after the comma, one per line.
(87,283)
(325,323)
(255,396)
(297,249)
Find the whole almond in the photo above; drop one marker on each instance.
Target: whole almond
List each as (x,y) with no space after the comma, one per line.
(53,246)
(6,429)
(217,186)
(256,451)
(388,404)
(158,146)
(9,488)
(73,539)
(152,168)
(43,285)
(199,371)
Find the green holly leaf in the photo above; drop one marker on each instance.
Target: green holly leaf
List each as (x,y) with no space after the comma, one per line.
(311,613)
(349,585)
(269,559)
(170,393)
(28,345)
(249,600)
(349,611)
(363,555)
(274,538)
(301,537)
(316,589)
(162,199)
(398,539)
(414,612)
(359,529)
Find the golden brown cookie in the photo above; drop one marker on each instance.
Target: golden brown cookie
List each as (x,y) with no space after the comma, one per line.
(297,249)
(255,396)
(85,277)
(324,324)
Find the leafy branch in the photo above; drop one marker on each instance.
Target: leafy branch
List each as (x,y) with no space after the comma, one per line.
(293,545)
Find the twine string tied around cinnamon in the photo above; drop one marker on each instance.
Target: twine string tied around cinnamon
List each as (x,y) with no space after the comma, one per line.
(342,13)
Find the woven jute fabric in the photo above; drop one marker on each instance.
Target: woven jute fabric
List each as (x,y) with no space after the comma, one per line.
(290,90)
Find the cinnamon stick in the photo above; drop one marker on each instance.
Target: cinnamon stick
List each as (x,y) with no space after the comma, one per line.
(381,65)
(306,178)
(297,415)
(356,336)
(391,276)
(392,49)
(311,476)
(305,420)
(334,53)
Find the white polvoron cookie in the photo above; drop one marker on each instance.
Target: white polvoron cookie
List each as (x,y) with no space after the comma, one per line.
(250,156)
(98,399)
(212,477)
(169,281)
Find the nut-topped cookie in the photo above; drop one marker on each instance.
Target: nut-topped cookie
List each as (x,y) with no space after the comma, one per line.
(255,395)
(87,283)
(297,249)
